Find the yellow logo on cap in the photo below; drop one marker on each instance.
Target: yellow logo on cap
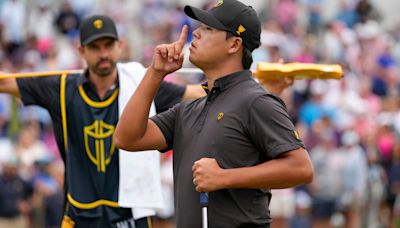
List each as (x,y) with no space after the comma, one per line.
(98,24)
(240,30)
(220,2)
(220,116)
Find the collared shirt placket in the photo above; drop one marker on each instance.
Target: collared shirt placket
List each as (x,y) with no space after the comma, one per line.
(210,98)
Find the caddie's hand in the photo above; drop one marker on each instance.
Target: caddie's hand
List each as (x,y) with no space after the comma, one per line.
(286,81)
(168,58)
(278,84)
(207,175)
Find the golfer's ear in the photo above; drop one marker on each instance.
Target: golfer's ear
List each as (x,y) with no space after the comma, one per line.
(235,44)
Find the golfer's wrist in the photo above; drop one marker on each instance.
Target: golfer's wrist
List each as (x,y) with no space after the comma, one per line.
(226,179)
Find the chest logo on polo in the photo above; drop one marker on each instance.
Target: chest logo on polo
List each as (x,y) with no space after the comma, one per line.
(220,2)
(296,134)
(99,144)
(98,24)
(220,116)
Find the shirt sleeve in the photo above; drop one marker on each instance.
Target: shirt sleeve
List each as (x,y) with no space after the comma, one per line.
(42,91)
(271,128)
(168,95)
(166,122)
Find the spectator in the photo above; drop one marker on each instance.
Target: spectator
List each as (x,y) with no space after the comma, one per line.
(67,20)
(29,148)
(325,189)
(354,178)
(366,11)
(15,197)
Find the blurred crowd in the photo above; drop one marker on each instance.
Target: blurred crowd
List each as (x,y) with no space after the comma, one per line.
(351,127)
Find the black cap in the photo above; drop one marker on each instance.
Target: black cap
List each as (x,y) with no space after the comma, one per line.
(95,27)
(232,16)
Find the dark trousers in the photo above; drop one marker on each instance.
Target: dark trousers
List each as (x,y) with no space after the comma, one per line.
(110,218)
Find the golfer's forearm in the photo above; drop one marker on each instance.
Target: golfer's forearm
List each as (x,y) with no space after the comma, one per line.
(133,122)
(279,173)
(274,178)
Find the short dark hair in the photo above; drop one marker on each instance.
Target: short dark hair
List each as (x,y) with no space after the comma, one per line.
(247,58)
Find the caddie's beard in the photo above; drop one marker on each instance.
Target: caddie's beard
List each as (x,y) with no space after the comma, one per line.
(105,71)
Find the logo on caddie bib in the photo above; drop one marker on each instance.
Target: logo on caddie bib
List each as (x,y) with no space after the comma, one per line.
(99,144)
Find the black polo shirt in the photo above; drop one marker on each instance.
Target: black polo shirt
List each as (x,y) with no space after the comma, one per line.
(239,125)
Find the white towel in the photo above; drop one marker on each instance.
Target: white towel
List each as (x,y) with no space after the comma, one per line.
(139,176)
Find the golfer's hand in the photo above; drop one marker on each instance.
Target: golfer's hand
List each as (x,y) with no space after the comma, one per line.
(168,58)
(207,175)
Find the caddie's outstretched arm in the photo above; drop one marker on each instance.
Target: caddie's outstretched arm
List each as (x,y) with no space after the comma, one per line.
(134,131)
(9,85)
